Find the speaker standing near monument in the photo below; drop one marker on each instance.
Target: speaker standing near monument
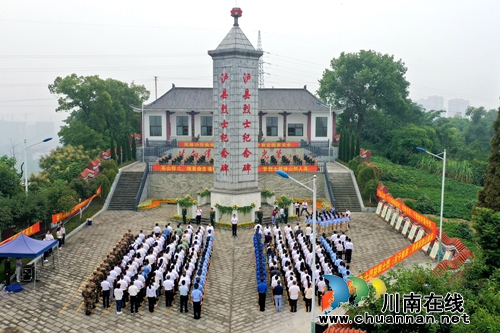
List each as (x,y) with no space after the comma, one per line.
(212,217)
(260,215)
(198,215)
(234,225)
(184,213)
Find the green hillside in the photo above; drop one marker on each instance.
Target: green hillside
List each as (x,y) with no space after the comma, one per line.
(410,183)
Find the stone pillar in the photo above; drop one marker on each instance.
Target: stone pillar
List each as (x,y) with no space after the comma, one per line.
(169,125)
(308,114)
(284,114)
(236,123)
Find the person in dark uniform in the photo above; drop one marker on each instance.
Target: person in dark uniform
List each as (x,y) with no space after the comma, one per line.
(184,213)
(260,215)
(7,270)
(212,217)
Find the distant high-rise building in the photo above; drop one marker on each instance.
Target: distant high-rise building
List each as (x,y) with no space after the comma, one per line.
(432,103)
(457,107)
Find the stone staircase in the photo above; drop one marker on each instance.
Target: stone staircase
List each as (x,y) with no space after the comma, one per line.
(126,190)
(344,192)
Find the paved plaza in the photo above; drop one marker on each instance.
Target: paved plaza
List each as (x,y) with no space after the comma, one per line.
(230,303)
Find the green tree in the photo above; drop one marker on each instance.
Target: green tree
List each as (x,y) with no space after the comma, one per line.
(102,180)
(101,107)
(82,188)
(134,148)
(402,142)
(60,197)
(359,82)
(29,209)
(118,152)
(113,150)
(6,214)
(64,163)
(353,147)
(10,183)
(489,196)
(487,225)
(76,133)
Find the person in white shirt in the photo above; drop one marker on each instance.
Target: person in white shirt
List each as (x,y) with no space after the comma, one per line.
(282,214)
(297,208)
(293,292)
(168,285)
(234,225)
(349,246)
(308,230)
(133,292)
(157,230)
(198,215)
(118,293)
(304,208)
(151,295)
(105,287)
(340,249)
(274,281)
(321,289)
(48,237)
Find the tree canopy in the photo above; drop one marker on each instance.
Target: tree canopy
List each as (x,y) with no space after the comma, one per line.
(99,109)
(10,183)
(364,81)
(489,196)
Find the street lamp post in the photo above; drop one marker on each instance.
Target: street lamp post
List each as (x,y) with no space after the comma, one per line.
(443,158)
(313,270)
(26,164)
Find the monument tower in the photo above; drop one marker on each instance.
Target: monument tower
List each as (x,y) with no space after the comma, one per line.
(235,99)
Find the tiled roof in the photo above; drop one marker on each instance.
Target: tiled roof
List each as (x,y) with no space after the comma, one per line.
(201,99)
(235,39)
(288,99)
(86,173)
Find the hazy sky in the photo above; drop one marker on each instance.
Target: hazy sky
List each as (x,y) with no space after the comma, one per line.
(450,47)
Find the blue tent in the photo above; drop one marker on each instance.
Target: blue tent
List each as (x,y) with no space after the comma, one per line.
(26,247)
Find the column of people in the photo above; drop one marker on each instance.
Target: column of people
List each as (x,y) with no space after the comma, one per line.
(165,259)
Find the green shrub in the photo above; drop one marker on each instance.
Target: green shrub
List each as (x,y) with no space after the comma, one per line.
(102,180)
(425,206)
(110,173)
(370,190)
(109,165)
(464,231)
(410,203)
(354,163)
(366,174)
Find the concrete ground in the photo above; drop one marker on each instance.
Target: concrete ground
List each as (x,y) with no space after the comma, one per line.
(230,303)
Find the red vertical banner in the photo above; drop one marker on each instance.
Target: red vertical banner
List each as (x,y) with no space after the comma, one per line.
(246,125)
(224,137)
